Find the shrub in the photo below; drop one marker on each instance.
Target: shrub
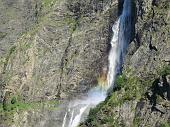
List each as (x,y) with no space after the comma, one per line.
(13,100)
(166,70)
(120,81)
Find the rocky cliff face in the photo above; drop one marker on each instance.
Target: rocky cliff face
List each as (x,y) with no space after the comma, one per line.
(51,49)
(141,97)
(55,47)
(16,18)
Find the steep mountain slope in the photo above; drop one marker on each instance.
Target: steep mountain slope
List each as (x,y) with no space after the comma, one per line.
(57,49)
(16,18)
(142,95)
(60,55)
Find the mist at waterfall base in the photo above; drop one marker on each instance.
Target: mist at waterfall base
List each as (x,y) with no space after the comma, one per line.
(78,109)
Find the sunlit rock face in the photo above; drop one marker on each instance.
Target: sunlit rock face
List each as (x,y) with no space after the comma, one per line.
(63,51)
(17,17)
(58,49)
(141,98)
(52,49)
(122,35)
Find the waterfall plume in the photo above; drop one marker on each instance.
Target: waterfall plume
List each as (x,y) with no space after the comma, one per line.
(119,43)
(122,34)
(113,55)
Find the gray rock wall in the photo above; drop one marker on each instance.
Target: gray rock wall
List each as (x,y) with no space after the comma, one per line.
(64,52)
(141,97)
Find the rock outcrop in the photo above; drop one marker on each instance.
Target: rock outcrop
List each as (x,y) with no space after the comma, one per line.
(141,97)
(56,49)
(51,49)
(16,18)
(61,51)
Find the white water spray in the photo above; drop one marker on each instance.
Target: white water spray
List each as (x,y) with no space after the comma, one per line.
(119,43)
(113,55)
(122,30)
(78,107)
(76,120)
(64,121)
(71,119)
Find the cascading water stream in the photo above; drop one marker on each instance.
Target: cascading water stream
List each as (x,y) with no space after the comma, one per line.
(121,38)
(76,120)
(64,121)
(122,30)
(113,55)
(77,108)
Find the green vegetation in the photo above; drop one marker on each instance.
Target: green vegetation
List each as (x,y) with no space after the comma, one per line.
(132,87)
(18,107)
(136,122)
(13,100)
(16,104)
(165,124)
(71,22)
(129,88)
(48,3)
(165,71)
(120,81)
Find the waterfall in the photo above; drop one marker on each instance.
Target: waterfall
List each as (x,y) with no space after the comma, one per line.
(79,109)
(113,55)
(122,30)
(76,120)
(64,121)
